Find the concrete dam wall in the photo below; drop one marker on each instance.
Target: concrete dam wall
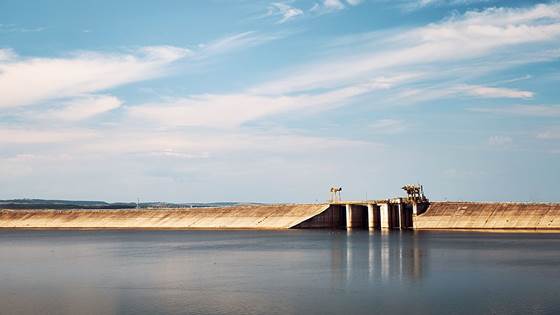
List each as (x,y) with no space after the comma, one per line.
(356,215)
(480,215)
(235,217)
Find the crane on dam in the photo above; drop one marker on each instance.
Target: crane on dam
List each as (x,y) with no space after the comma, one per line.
(415,193)
(335,194)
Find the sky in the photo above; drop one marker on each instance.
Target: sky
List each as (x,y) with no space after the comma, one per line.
(277,101)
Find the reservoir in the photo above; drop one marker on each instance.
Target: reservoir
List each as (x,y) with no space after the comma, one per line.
(278,272)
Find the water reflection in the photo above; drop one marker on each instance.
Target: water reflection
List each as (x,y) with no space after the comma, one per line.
(277,272)
(385,256)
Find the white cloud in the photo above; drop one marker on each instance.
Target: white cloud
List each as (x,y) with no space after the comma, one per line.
(28,81)
(328,6)
(232,110)
(463,37)
(39,136)
(500,141)
(316,7)
(233,42)
(220,111)
(13,28)
(7,54)
(521,78)
(387,126)
(83,108)
(353,2)
(552,133)
(170,153)
(494,92)
(522,110)
(417,4)
(165,53)
(285,11)
(205,144)
(333,4)
(446,91)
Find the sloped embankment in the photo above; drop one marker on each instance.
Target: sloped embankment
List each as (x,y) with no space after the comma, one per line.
(481,215)
(235,217)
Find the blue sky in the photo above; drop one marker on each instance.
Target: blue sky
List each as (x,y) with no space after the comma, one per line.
(277,101)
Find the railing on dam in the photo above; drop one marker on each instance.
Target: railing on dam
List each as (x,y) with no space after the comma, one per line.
(368,214)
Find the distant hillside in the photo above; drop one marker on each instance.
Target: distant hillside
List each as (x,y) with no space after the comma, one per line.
(88,204)
(61,204)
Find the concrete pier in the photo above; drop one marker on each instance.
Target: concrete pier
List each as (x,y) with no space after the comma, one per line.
(350,220)
(384,216)
(373,216)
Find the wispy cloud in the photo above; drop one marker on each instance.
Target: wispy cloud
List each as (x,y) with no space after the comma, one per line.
(354,2)
(284,11)
(387,126)
(7,54)
(475,34)
(331,83)
(233,42)
(26,81)
(500,141)
(494,92)
(522,110)
(232,110)
(13,28)
(333,4)
(411,5)
(327,6)
(122,141)
(83,108)
(40,136)
(550,133)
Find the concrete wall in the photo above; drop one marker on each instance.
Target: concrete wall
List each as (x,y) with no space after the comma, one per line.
(240,217)
(385,216)
(334,217)
(473,215)
(439,215)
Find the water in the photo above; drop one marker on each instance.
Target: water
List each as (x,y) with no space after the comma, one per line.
(278,272)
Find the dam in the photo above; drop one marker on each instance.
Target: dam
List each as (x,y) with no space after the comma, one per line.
(414,212)
(390,214)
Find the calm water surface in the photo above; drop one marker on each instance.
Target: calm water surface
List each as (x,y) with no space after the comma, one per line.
(278,272)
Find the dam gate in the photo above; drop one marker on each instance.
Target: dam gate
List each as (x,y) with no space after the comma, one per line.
(369,214)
